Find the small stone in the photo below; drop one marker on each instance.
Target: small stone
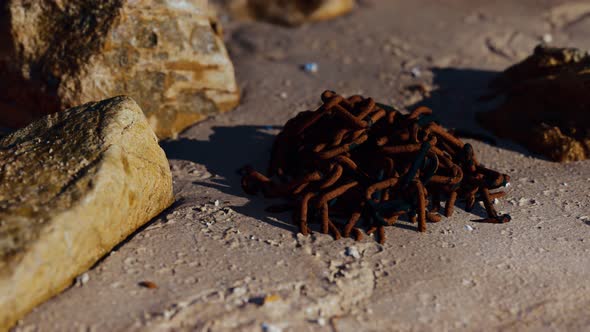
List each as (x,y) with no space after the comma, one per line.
(266,327)
(352,252)
(82,279)
(216,203)
(272,243)
(130,261)
(310,67)
(115,284)
(239,291)
(283,95)
(468,227)
(167,314)
(547,38)
(271,298)
(416,72)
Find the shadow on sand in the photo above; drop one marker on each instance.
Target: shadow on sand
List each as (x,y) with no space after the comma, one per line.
(457,100)
(226,151)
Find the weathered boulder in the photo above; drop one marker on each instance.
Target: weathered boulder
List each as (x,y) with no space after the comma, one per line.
(72,186)
(547,103)
(288,12)
(167,55)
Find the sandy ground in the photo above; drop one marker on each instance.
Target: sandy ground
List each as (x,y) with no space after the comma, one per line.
(215,263)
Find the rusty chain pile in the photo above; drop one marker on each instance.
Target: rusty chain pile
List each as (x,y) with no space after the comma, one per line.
(353,159)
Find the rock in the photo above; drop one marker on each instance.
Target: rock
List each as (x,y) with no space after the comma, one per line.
(72,186)
(547,104)
(287,12)
(167,55)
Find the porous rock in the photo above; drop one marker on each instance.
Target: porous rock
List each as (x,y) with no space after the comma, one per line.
(547,104)
(167,55)
(287,12)
(73,185)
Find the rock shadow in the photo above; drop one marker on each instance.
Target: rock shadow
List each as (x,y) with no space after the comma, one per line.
(5,131)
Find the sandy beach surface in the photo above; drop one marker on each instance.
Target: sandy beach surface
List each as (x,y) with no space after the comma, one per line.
(220,262)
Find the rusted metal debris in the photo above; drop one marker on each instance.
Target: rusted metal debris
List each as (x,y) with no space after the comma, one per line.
(355,161)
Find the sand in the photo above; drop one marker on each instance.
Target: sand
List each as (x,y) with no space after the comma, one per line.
(220,262)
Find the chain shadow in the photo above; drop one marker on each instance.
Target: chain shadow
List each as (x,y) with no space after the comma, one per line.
(457,100)
(224,153)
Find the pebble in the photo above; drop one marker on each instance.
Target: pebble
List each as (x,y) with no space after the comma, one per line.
(266,327)
(321,321)
(352,252)
(82,279)
(130,261)
(239,291)
(271,298)
(468,227)
(547,38)
(310,67)
(416,72)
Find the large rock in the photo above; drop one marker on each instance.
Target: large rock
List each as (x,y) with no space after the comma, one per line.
(167,55)
(288,12)
(72,186)
(547,103)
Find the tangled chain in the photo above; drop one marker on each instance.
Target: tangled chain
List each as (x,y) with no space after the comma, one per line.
(353,159)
